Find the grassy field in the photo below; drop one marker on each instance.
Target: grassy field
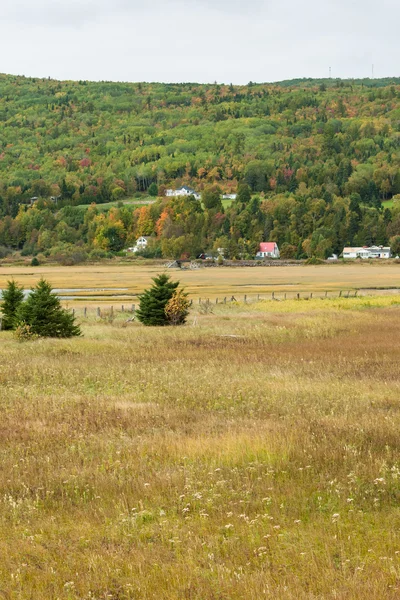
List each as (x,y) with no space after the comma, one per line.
(216,282)
(253,453)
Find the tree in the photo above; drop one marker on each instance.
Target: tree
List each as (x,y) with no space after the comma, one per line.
(153,189)
(211,197)
(43,312)
(12,298)
(153,301)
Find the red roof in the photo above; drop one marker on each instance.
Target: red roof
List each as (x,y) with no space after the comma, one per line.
(267,246)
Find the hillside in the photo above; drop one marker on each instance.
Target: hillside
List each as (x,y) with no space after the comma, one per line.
(295,142)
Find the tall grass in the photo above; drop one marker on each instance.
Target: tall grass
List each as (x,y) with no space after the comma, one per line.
(253,453)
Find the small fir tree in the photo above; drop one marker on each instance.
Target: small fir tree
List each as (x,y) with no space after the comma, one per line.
(177,308)
(154,301)
(43,312)
(153,189)
(12,298)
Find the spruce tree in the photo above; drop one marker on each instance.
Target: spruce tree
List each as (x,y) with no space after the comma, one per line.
(154,301)
(12,298)
(43,312)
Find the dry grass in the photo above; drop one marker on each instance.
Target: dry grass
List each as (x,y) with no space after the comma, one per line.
(185,464)
(215,282)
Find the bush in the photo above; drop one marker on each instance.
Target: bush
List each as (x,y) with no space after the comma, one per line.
(177,308)
(24,333)
(35,262)
(313,260)
(12,298)
(44,315)
(153,301)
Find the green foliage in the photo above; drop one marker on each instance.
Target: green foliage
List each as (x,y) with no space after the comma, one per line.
(35,262)
(12,298)
(322,154)
(153,301)
(43,313)
(153,189)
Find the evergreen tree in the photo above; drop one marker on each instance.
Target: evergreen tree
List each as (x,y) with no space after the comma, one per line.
(43,312)
(154,301)
(12,298)
(153,189)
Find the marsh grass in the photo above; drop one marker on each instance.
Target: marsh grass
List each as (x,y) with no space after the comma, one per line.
(253,453)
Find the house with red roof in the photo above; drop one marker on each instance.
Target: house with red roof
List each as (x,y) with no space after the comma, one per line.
(268,250)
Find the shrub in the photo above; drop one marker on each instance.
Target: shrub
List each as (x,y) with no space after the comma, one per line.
(24,333)
(153,301)
(35,262)
(177,308)
(12,298)
(45,316)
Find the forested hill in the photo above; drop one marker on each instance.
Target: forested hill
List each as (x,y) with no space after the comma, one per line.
(103,140)
(296,142)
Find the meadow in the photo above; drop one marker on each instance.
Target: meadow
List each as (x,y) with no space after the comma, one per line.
(253,453)
(130,277)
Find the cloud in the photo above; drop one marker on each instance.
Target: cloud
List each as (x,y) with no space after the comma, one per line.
(198,40)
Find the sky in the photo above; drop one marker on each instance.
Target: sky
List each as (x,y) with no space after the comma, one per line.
(228,41)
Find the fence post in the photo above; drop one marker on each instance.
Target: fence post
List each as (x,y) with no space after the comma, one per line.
(311,296)
(298,296)
(199,300)
(355,295)
(216,300)
(133,308)
(245,298)
(98,311)
(340,294)
(85,312)
(326,294)
(122,308)
(273,295)
(258,296)
(225,300)
(285,295)
(112,311)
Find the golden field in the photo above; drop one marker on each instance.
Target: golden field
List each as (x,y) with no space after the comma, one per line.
(253,453)
(212,282)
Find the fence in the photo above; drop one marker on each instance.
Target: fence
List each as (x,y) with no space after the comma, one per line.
(112,311)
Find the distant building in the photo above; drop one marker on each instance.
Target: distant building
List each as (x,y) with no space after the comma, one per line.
(268,250)
(183,191)
(229,196)
(141,244)
(366,252)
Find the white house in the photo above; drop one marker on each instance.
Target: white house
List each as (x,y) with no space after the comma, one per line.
(141,244)
(268,250)
(183,191)
(229,196)
(366,252)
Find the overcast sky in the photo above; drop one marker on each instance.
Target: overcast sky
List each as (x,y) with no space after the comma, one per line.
(199,40)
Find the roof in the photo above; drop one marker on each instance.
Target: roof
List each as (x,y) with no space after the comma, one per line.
(353,249)
(267,246)
(186,187)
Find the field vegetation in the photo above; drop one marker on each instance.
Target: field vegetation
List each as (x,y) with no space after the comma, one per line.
(112,282)
(253,453)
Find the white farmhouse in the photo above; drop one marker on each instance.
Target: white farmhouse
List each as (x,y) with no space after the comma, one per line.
(141,244)
(366,252)
(183,191)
